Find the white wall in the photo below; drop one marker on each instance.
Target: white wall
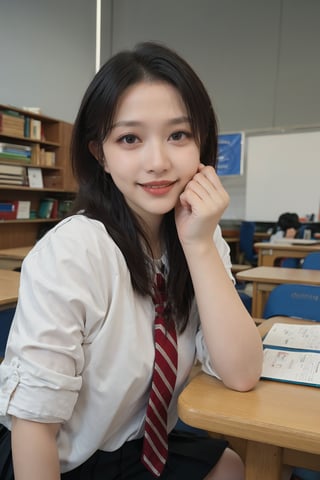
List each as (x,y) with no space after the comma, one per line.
(258,59)
(47,54)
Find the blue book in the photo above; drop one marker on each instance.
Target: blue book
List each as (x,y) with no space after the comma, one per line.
(6,207)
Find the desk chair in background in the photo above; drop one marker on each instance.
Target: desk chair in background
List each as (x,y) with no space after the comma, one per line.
(292,300)
(290,262)
(246,248)
(312,261)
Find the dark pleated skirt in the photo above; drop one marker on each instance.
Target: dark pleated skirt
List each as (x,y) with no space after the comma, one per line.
(6,470)
(191,455)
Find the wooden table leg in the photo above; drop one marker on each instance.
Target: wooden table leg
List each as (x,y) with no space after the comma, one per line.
(266,257)
(263,462)
(255,301)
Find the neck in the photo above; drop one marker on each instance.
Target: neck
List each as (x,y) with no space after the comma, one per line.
(152,232)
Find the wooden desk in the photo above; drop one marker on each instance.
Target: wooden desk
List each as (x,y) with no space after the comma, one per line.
(265,279)
(11,258)
(276,424)
(9,286)
(269,252)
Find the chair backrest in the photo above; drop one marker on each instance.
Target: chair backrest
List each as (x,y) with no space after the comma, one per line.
(312,261)
(290,262)
(246,241)
(246,300)
(291,300)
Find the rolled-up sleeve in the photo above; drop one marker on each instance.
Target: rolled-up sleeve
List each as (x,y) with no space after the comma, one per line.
(201,348)
(58,301)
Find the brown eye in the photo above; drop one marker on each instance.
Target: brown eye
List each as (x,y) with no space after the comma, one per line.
(130,139)
(176,136)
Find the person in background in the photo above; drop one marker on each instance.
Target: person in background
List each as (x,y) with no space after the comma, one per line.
(287,226)
(77,374)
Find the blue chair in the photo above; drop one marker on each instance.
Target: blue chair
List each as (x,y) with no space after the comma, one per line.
(290,262)
(304,474)
(246,242)
(291,300)
(6,317)
(312,261)
(246,299)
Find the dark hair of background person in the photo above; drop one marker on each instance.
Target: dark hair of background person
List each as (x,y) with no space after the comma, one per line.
(100,198)
(288,220)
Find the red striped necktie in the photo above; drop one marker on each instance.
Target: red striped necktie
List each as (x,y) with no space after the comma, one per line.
(155,444)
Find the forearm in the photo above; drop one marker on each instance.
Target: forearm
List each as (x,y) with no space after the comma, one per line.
(34,450)
(232,339)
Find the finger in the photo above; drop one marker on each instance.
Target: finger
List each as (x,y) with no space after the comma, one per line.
(203,185)
(210,181)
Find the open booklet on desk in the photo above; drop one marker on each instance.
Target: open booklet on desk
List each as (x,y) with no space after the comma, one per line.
(292,354)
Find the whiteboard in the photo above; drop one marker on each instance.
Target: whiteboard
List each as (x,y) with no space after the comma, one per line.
(282,174)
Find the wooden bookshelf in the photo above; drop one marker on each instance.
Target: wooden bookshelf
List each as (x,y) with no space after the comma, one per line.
(50,154)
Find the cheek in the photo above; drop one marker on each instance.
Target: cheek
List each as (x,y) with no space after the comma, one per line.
(192,162)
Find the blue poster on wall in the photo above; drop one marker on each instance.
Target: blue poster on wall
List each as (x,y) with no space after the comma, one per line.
(230,154)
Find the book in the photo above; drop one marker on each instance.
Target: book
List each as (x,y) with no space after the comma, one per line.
(292,354)
(35,129)
(14,148)
(12,169)
(47,158)
(6,206)
(45,208)
(4,158)
(15,155)
(54,211)
(11,176)
(23,209)
(35,177)
(12,180)
(11,124)
(26,130)
(8,210)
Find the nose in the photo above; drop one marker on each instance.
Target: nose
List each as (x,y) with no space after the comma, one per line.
(157,157)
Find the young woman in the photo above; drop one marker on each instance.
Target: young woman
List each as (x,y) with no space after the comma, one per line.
(288,226)
(76,378)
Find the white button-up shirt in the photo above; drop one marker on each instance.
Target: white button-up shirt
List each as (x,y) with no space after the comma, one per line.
(80,351)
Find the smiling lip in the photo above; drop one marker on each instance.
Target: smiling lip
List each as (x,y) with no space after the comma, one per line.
(157,188)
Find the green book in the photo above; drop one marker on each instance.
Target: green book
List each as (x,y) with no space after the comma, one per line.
(14,157)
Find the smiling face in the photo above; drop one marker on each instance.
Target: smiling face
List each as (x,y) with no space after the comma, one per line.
(150,152)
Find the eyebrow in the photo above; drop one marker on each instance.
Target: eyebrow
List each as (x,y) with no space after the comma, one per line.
(136,123)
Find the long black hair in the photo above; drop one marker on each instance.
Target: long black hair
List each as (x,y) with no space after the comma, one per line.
(98,196)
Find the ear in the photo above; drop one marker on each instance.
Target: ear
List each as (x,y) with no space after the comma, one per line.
(96,152)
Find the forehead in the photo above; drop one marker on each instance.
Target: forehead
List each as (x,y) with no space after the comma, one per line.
(150,98)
